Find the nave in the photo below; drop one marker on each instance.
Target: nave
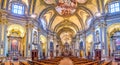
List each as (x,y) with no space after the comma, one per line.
(59,32)
(63,61)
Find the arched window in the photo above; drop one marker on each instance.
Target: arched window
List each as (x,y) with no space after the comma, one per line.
(18,8)
(114,7)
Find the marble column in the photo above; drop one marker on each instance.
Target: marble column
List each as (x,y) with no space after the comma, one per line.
(59,48)
(93,43)
(0,35)
(55,43)
(74,41)
(4,35)
(39,45)
(84,45)
(111,46)
(48,46)
(105,39)
(101,40)
(77,45)
(29,29)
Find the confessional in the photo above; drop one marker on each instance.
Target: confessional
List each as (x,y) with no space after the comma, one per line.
(34,55)
(98,54)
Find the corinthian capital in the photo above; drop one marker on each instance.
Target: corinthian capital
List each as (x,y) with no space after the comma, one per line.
(29,25)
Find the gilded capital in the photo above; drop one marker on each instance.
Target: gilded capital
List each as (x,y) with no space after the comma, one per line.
(3,21)
(29,25)
(38,29)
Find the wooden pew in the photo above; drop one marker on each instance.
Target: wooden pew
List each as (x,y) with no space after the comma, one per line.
(107,63)
(101,62)
(91,63)
(2,63)
(21,63)
(30,63)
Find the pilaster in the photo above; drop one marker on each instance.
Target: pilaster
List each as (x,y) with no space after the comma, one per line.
(105,39)
(29,29)
(3,40)
(55,44)
(77,45)
(39,45)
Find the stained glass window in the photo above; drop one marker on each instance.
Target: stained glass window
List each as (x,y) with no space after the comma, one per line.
(114,7)
(18,9)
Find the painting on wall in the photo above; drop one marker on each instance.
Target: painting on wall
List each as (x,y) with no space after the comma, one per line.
(81,45)
(118,43)
(51,46)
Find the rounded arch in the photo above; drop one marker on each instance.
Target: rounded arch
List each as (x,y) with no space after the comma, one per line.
(16,30)
(66,23)
(81,22)
(113,28)
(45,11)
(65,29)
(87,11)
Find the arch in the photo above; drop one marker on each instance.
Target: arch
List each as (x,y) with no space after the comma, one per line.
(67,23)
(113,28)
(86,10)
(51,20)
(17,29)
(64,30)
(81,22)
(45,11)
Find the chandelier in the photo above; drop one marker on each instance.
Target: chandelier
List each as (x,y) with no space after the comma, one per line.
(66,7)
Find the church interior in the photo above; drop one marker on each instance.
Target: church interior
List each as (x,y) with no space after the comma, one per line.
(59,32)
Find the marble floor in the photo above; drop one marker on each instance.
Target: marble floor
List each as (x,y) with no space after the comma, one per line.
(64,61)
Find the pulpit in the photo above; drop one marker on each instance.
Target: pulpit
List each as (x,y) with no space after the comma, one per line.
(35,55)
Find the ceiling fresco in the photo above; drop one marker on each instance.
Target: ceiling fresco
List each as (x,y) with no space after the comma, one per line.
(75,15)
(65,7)
(84,10)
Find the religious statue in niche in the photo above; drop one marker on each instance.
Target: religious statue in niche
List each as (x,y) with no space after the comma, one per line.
(97,37)
(35,38)
(98,43)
